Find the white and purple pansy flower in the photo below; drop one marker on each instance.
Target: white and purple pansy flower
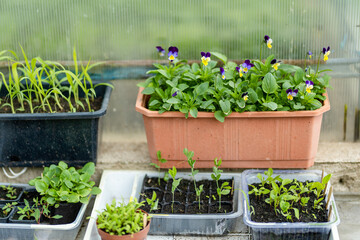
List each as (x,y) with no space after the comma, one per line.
(247,66)
(291,93)
(275,64)
(173,53)
(309,86)
(245,96)
(161,51)
(268,41)
(326,52)
(222,72)
(205,58)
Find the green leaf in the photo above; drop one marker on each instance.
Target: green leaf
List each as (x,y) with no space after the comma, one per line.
(220,116)
(194,112)
(63,165)
(202,88)
(269,59)
(84,192)
(73,198)
(225,106)
(299,76)
(269,84)
(220,56)
(41,186)
(240,103)
(68,183)
(153,103)
(296,212)
(326,179)
(253,97)
(315,103)
(148,90)
(288,68)
(173,100)
(271,105)
(206,104)
(164,73)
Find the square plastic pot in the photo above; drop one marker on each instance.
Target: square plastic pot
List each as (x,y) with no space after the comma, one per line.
(279,139)
(23,231)
(42,139)
(288,230)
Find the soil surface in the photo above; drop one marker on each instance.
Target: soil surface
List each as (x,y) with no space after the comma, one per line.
(29,196)
(264,212)
(95,105)
(4,192)
(185,197)
(2,215)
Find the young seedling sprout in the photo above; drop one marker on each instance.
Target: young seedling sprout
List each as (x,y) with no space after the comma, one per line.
(8,207)
(10,191)
(161,160)
(175,184)
(153,202)
(224,189)
(191,162)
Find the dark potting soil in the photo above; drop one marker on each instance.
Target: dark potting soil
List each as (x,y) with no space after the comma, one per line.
(264,212)
(154,183)
(95,105)
(178,196)
(3,215)
(68,211)
(147,208)
(4,192)
(214,197)
(225,208)
(178,208)
(29,196)
(194,208)
(185,195)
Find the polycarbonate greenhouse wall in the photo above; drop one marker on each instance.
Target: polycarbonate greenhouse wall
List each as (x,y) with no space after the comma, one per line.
(124,34)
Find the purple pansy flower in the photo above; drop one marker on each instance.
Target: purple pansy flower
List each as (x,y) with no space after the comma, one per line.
(240,70)
(161,51)
(326,52)
(174,94)
(247,66)
(275,64)
(309,86)
(173,53)
(205,58)
(245,96)
(222,72)
(291,93)
(268,41)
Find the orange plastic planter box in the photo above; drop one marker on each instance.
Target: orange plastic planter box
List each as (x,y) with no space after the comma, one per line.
(245,140)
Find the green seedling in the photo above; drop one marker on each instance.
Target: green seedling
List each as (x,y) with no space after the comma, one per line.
(8,207)
(224,189)
(10,191)
(175,184)
(198,193)
(153,202)
(122,219)
(160,160)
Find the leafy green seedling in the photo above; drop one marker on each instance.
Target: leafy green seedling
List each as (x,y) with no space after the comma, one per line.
(122,219)
(198,193)
(161,160)
(175,184)
(224,189)
(153,202)
(10,191)
(8,207)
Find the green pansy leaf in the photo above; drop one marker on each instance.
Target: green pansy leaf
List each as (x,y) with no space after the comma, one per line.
(202,88)
(240,103)
(193,112)
(164,73)
(315,103)
(271,105)
(153,103)
(269,83)
(253,97)
(299,76)
(225,106)
(220,56)
(148,90)
(173,100)
(220,116)
(41,186)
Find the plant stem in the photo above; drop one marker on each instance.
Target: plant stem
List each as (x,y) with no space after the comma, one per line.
(318,63)
(173,200)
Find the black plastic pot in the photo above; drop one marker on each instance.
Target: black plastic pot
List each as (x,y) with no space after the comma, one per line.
(69,211)
(42,139)
(2,218)
(13,218)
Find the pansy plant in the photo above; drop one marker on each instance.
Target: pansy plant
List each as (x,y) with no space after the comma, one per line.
(161,51)
(254,85)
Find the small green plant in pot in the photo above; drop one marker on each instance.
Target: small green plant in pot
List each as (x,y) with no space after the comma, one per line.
(123,221)
(66,188)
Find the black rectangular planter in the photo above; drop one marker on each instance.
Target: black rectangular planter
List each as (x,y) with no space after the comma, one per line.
(42,139)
